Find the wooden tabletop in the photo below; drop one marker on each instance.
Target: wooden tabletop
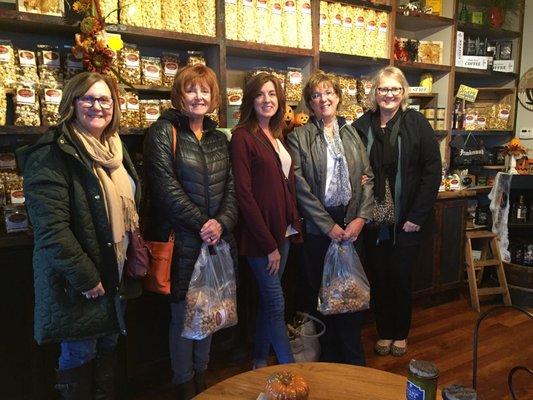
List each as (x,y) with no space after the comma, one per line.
(326,381)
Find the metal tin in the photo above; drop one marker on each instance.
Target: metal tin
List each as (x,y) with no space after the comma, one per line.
(421,380)
(458,392)
(441,113)
(440,125)
(429,113)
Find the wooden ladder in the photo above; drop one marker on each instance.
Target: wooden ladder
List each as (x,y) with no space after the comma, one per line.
(475,269)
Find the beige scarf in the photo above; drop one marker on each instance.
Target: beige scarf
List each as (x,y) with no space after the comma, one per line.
(115,184)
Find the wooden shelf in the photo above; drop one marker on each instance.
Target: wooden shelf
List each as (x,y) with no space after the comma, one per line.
(441,134)
(423,95)
(345,60)
(16,239)
(524,225)
(39,130)
(418,21)
(422,67)
(16,21)
(495,167)
(147,89)
(260,50)
(488,133)
(368,4)
(486,31)
(484,72)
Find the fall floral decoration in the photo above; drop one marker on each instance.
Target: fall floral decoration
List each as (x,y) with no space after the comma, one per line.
(515,148)
(91,44)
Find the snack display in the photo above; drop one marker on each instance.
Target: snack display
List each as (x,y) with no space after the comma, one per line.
(150,112)
(131,116)
(110,11)
(305,36)
(31,6)
(131,12)
(359,31)
(189,17)
(232,17)
(262,15)
(234,96)
(335,28)
(293,84)
(26,106)
(430,52)
(364,86)
(50,72)
(52,7)
(324,26)
(170,64)
(50,99)
(276,19)
(170,15)
(289,23)
(382,36)
(195,57)
(151,14)
(129,64)
(246,20)
(164,105)
(8,70)
(151,71)
(27,67)
(207,17)
(72,65)
(286,385)
(3,106)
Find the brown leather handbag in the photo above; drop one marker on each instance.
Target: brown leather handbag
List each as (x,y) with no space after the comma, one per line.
(137,257)
(157,278)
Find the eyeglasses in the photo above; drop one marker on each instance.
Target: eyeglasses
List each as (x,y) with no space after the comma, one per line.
(395,91)
(88,101)
(328,94)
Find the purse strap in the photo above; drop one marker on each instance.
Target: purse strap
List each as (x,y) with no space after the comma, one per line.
(296,332)
(174,145)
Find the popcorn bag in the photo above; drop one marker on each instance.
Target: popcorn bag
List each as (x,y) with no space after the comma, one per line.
(211,302)
(344,286)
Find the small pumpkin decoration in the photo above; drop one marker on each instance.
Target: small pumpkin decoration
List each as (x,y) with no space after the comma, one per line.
(286,385)
(288,118)
(300,119)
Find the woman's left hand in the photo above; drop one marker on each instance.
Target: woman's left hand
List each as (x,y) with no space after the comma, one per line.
(353,229)
(211,232)
(410,227)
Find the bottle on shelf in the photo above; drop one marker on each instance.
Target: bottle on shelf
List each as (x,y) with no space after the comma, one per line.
(521,210)
(457,114)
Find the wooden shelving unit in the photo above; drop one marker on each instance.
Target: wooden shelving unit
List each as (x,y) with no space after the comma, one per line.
(417,21)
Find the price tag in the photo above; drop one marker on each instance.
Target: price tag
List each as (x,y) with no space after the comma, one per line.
(467,93)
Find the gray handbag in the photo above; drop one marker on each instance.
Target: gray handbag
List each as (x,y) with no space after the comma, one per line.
(303,337)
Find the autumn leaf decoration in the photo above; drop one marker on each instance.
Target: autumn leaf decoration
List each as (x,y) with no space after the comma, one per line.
(515,148)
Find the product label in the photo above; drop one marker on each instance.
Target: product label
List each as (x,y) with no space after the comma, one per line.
(17,197)
(368,88)
(5,55)
(151,113)
(262,4)
(295,77)
(276,8)
(247,3)
(359,112)
(503,114)
(383,27)
(7,161)
(152,71)
(467,93)
(231,1)
(221,317)
(414,392)
(476,62)
(51,59)
(481,122)
(26,96)
(52,96)
(306,8)
(290,7)
(371,26)
(171,68)
(352,90)
(132,103)
(503,65)
(132,61)
(122,102)
(347,23)
(323,19)
(337,20)
(360,22)
(27,58)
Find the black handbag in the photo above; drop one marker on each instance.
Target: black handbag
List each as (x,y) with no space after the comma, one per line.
(469,152)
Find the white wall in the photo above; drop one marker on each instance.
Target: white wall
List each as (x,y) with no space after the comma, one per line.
(524,118)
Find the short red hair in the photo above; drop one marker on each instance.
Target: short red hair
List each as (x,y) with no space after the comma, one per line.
(191,75)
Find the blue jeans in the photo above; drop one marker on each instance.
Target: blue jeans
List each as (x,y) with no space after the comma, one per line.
(270,323)
(75,353)
(186,356)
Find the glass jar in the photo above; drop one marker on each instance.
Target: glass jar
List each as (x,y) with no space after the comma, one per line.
(458,392)
(421,380)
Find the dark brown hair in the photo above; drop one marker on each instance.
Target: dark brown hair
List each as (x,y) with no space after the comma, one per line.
(248,119)
(321,78)
(191,75)
(77,86)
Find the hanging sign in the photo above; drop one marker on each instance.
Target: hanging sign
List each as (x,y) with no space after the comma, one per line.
(467,93)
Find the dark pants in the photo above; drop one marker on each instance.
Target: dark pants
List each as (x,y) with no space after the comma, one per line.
(390,270)
(341,342)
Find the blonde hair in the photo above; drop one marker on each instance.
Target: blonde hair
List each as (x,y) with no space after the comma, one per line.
(394,73)
(76,87)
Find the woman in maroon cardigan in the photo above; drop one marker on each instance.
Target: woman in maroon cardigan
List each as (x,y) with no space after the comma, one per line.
(264,184)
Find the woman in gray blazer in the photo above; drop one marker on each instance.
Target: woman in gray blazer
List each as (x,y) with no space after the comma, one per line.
(330,161)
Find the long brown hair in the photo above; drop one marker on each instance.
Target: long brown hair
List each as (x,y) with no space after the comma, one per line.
(248,119)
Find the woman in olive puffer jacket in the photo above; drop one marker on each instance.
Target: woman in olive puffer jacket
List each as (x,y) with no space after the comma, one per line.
(191,193)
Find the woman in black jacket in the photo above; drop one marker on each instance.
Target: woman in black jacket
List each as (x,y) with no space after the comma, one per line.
(81,190)
(190,193)
(405,159)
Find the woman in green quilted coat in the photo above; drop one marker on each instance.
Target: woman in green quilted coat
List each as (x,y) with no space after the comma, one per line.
(81,194)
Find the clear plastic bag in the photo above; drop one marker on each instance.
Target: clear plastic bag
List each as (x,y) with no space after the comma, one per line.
(211,302)
(344,286)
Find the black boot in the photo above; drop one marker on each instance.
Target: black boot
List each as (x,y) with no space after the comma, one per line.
(76,383)
(186,390)
(199,382)
(104,377)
